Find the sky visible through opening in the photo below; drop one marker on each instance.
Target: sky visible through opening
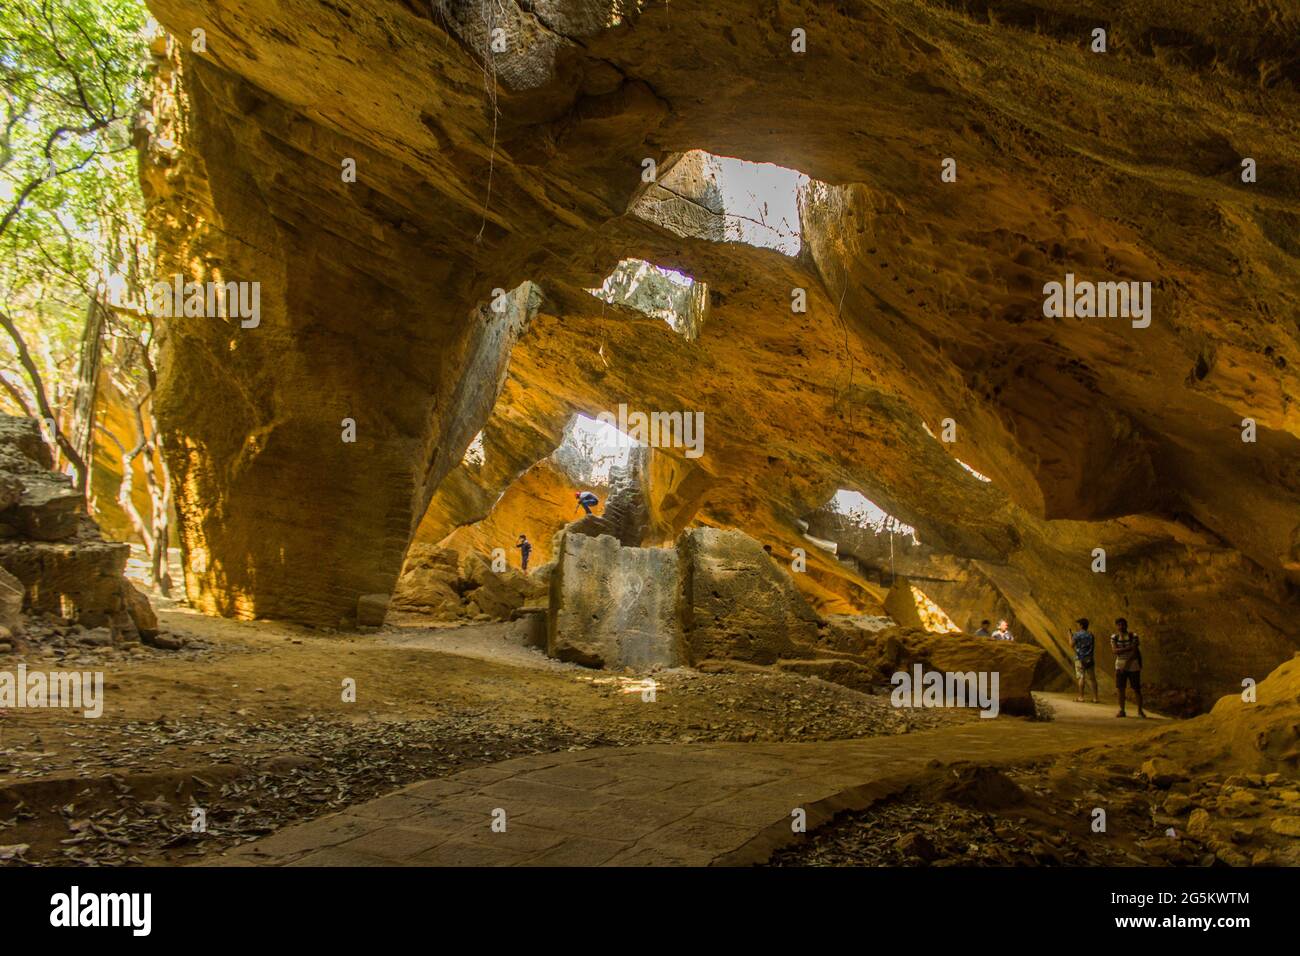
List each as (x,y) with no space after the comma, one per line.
(658,292)
(474,454)
(640,267)
(760,202)
(969,469)
(865,513)
(599,445)
(973,471)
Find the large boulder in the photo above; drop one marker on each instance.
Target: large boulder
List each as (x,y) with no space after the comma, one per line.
(35,501)
(139,610)
(372,609)
(49,509)
(80,579)
(494,593)
(427,582)
(615,606)
(740,603)
(882,653)
(22,447)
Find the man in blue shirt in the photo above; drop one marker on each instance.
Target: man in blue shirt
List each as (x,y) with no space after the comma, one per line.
(586,500)
(1085,661)
(525,549)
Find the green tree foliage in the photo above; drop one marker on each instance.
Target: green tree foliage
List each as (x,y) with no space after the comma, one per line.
(72,242)
(70,78)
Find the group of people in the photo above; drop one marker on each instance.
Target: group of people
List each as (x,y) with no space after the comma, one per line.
(1128,663)
(1123,643)
(586,501)
(1003,633)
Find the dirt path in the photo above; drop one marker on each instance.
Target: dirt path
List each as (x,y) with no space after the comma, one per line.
(250,724)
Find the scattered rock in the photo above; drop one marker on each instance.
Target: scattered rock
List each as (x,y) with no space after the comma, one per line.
(1239,803)
(1286,826)
(1162,773)
(916,845)
(289,762)
(1198,823)
(1177,804)
(166,642)
(982,788)
(13,851)
(97,637)
(140,610)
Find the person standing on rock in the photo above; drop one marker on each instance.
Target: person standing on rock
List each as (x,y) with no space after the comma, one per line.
(525,549)
(1128,664)
(1085,661)
(586,500)
(983,630)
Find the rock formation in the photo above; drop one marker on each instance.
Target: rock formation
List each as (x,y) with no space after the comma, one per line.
(387,301)
(740,603)
(53,559)
(448,586)
(615,606)
(716,600)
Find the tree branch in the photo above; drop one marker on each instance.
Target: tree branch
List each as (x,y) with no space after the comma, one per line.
(38,392)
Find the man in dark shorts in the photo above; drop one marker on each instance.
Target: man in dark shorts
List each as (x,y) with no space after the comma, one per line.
(525,549)
(1128,664)
(1085,661)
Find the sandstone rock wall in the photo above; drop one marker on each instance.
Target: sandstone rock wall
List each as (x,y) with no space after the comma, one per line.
(924,297)
(741,604)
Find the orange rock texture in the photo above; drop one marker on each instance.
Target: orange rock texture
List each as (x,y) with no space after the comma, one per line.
(444,292)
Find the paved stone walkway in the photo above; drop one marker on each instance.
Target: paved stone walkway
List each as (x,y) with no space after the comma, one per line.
(667,804)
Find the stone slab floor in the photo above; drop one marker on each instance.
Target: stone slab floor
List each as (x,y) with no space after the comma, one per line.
(665,804)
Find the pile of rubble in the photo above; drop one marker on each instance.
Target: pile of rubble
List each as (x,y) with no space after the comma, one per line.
(448,586)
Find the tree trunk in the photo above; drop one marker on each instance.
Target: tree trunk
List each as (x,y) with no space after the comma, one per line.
(159,497)
(124,497)
(86,385)
(162,516)
(38,392)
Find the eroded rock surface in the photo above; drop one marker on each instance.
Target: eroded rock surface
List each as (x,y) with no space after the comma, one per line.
(450,586)
(54,559)
(479,172)
(615,606)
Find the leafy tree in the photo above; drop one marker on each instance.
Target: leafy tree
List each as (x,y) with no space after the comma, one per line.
(72,245)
